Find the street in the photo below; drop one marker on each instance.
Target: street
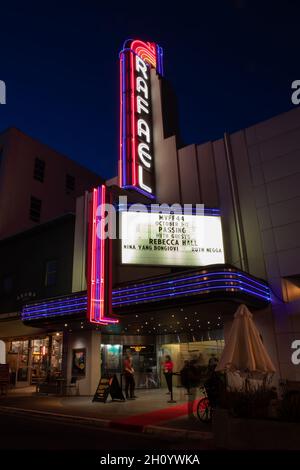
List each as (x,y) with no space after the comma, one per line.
(19,432)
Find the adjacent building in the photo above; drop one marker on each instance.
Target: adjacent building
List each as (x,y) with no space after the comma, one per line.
(37,183)
(178,302)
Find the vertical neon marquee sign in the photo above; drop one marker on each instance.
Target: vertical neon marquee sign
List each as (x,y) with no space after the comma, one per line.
(99,261)
(136,162)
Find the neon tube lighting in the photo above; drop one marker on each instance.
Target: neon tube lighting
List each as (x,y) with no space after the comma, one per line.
(194,284)
(78,304)
(152,55)
(198,276)
(192,211)
(175,294)
(96,254)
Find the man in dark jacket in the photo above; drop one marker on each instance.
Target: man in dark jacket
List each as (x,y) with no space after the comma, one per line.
(129,377)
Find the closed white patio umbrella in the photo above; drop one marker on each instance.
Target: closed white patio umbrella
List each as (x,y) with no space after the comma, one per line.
(244,350)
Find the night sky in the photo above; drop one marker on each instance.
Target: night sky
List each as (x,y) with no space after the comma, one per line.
(231,64)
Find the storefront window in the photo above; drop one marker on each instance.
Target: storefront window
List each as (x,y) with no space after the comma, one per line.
(32,360)
(39,359)
(111,359)
(18,359)
(56,353)
(205,352)
(144,364)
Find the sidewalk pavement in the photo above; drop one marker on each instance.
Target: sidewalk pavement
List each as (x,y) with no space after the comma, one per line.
(150,412)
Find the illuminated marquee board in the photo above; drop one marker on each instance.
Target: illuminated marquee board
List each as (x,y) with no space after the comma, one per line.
(136,163)
(171,239)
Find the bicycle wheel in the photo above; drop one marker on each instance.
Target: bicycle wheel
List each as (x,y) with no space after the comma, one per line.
(204,410)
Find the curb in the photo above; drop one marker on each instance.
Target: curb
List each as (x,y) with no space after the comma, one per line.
(161,431)
(100,422)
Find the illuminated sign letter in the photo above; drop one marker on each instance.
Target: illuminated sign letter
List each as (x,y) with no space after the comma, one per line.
(142,105)
(145,157)
(141,86)
(141,66)
(143,129)
(141,181)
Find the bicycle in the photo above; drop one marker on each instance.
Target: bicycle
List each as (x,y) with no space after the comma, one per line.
(204,409)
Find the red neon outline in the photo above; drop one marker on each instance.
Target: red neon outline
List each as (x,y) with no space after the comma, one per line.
(98,302)
(121,126)
(145,50)
(133,119)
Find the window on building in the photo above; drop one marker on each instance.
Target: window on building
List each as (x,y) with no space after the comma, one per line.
(39,170)
(35,209)
(51,273)
(70,184)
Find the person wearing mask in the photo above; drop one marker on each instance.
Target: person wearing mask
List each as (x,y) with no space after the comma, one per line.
(168,372)
(129,378)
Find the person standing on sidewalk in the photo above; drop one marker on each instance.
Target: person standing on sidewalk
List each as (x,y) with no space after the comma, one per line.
(129,378)
(168,372)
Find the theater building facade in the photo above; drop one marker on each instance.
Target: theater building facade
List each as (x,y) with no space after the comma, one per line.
(168,281)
